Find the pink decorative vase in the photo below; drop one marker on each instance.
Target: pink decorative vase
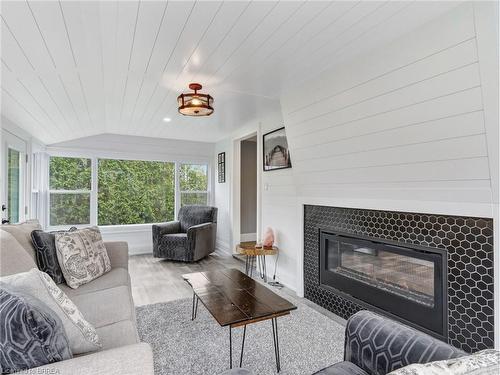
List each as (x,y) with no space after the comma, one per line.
(268,240)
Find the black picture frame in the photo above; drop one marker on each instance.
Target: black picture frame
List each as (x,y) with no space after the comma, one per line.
(278,137)
(221,167)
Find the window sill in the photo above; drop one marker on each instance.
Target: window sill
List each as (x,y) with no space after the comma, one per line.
(105,229)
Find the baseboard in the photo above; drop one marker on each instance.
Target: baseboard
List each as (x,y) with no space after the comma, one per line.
(246,237)
(139,250)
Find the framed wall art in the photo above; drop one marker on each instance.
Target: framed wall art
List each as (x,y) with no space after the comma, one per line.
(275,149)
(221,167)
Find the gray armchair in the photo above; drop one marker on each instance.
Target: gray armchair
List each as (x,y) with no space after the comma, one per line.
(189,239)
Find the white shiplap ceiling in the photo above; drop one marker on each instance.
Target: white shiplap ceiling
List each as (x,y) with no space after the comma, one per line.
(74,69)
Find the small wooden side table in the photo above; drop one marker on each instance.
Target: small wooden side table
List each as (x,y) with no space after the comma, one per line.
(251,253)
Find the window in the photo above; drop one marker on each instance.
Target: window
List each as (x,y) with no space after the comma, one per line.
(193,184)
(135,192)
(69,191)
(103,191)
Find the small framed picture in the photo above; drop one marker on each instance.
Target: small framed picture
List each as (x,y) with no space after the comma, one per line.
(221,167)
(275,149)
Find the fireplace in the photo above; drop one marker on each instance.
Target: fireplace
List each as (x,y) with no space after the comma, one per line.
(467,269)
(403,280)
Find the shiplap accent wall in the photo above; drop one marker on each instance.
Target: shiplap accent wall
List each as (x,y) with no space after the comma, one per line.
(405,122)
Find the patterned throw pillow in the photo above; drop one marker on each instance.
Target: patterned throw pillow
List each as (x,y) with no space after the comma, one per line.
(485,362)
(31,334)
(81,334)
(82,256)
(46,254)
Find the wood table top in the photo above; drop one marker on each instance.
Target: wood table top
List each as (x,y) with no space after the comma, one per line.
(233,298)
(248,248)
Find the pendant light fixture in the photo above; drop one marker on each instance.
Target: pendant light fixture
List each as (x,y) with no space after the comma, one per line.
(194,103)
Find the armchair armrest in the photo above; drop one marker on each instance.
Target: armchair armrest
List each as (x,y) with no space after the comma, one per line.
(126,360)
(199,227)
(402,345)
(117,253)
(201,239)
(159,230)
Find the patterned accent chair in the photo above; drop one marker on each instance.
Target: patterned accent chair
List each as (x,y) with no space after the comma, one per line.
(375,345)
(189,239)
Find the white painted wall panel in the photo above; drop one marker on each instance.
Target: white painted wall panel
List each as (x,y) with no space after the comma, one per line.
(462,102)
(411,112)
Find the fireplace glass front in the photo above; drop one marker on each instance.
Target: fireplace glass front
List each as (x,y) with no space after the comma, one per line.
(400,279)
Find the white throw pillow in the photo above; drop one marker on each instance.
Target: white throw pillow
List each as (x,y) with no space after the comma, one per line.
(485,362)
(82,256)
(81,334)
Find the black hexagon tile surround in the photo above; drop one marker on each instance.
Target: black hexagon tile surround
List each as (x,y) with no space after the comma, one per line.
(468,241)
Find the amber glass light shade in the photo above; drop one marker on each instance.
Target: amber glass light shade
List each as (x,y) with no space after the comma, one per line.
(195,104)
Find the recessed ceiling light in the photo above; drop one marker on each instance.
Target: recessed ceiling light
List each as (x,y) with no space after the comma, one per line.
(167,119)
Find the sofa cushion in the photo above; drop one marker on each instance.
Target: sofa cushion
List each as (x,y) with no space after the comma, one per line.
(46,254)
(14,258)
(126,360)
(32,335)
(107,306)
(81,334)
(485,362)
(117,253)
(82,256)
(342,368)
(115,277)
(118,334)
(22,233)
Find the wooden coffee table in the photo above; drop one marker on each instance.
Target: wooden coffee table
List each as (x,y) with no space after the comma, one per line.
(236,300)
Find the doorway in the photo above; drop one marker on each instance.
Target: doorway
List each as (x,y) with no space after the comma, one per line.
(248,189)
(13,178)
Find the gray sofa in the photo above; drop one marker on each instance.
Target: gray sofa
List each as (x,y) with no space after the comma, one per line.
(375,345)
(106,302)
(189,239)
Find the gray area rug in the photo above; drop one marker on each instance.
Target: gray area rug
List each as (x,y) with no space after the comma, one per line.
(309,341)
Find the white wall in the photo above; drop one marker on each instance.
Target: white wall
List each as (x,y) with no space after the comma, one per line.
(277,197)
(412,126)
(222,198)
(279,211)
(32,145)
(139,237)
(126,146)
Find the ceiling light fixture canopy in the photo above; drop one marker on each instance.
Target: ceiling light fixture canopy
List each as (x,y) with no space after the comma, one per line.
(194,103)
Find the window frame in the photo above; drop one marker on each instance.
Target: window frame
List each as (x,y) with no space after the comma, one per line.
(178,185)
(94,183)
(65,191)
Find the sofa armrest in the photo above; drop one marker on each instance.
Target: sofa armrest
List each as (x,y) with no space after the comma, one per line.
(126,360)
(117,253)
(380,345)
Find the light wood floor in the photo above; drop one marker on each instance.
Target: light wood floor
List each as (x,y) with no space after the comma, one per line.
(155,280)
